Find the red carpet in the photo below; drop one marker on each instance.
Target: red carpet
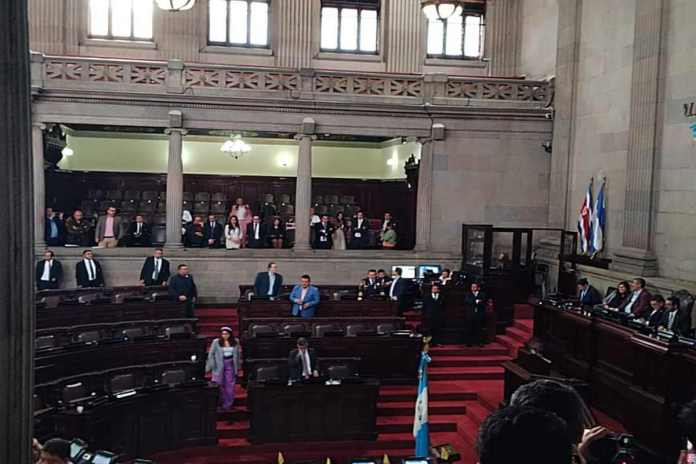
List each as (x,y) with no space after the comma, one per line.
(465,385)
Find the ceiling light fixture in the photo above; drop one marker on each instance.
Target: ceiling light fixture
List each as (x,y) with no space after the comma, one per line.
(441,9)
(175,5)
(235,147)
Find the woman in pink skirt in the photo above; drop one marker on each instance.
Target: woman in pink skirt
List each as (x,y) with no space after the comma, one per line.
(243,213)
(223,362)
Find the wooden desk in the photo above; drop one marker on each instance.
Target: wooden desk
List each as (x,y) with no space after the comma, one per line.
(388,358)
(339,322)
(77,314)
(329,308)
(147,422)
(634,378)
(63,362)
(313,412)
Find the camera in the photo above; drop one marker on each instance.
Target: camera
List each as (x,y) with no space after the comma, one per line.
(614,449)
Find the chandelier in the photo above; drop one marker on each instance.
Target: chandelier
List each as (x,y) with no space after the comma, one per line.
(175,5)
(235,147)
(441,9)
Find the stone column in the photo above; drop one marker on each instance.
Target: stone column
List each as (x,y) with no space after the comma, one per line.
(303,186)
(636,254)
(424,195)
(502,36)
(175,179)
(16,247)
(39,184)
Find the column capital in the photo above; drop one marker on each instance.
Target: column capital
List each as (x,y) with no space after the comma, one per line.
(38,125)
(171,130)
(299,137)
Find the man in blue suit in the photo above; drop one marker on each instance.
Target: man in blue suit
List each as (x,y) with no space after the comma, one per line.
(304,298)
(267,284)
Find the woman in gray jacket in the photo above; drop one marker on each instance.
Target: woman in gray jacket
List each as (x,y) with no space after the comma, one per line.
(223,362)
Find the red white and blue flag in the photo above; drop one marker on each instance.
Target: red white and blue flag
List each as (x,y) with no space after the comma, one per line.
(585,223)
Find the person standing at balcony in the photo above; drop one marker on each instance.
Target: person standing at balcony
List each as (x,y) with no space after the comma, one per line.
(233,234)
(54,229)
(212,232)
(243,213)
(339,234)
(256,234)
(323,233)
(360,232)
(77,230)
(108,229)
(276,233)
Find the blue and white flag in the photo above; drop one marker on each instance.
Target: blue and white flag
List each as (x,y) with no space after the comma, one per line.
(599,219)
(420,421)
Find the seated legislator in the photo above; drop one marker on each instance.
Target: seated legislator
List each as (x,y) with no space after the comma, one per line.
(53,451)
(138,234)
(267,284)
(654,317)
(183,288)
(77,230)
(445,278)
(434,313)
(675,319)
(383,280)
(155,269)
(475,303)
(195,233)
(212,232)
(369,286)
(389,237)
(108,231)
(88,271)
(54,228)
(234,236)
(587,294)
(304,298)
(49,272)
(617,297)
(256,233)
(302,362)
(399,290)
(323,234)
(638,303)
(359,233)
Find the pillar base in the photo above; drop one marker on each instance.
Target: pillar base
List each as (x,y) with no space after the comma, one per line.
(174,246)
(640,263)
(301,247)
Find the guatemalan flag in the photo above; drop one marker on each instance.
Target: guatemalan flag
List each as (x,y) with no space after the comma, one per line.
(585,222)
(599,219)
(420,421)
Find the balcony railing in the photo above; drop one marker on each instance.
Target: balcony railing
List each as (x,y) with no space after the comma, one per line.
(94,75)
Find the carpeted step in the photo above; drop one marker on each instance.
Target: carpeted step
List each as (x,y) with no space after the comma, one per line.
(465,373)
(237,429)
(491,349)
(525,325)
(468,361)
(407,408)
(404,424)
(477,411)
(519,335)
(512,344)
(395,394)
(523,311)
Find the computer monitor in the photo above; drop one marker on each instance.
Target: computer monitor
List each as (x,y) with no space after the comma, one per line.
(425,268)
(364,461)
(416,461)
(103,457)
(407,272)
(77,449)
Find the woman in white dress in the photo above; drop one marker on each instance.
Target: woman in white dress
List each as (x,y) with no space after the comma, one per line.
(233,234)
(243,213)
(339,235)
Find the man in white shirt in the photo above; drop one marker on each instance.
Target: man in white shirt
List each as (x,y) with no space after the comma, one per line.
(302,362)
(360,232)
(155,269)
(108,229)
(49,272)
(267,284)
(639,303)
(256,233)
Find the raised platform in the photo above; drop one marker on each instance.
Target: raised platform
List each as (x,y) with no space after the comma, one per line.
(218,273)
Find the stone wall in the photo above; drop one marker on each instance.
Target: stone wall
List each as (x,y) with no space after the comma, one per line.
(538,38)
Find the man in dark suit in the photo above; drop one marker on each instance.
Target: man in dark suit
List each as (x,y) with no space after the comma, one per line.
(267,284)
(212,232)
(369,286)
(138,233)
(49,272)
(256,233)
(359,232)
(638,303)
(434,313)
(654,316)
(302,362)
(675,319)
(54,231)
(399,291)
(88,272)
(183,288)
(323,231)
(155,269)
(383,280)
(475,303)
(587,294)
